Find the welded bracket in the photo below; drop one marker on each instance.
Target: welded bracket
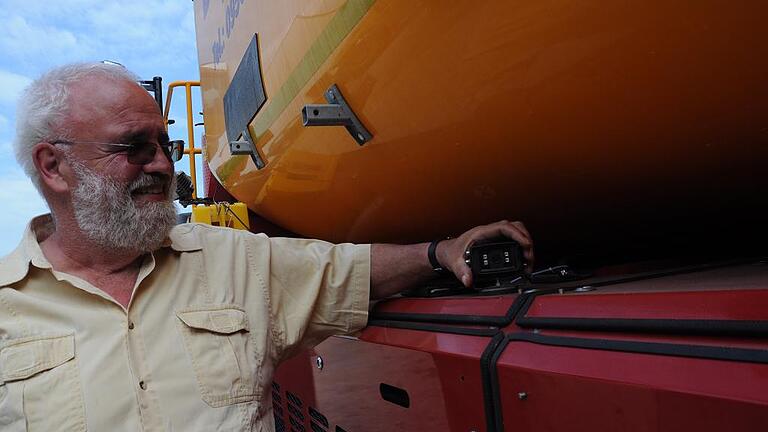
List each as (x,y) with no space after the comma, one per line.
(246,146)
(336,113)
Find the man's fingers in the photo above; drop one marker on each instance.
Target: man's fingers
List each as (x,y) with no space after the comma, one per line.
(523,230)
(513,230)
(466,279)
(454,252)
(520,232)
(517,232)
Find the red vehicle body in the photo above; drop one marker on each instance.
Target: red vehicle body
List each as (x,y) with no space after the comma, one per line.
(631,139)
(683,350)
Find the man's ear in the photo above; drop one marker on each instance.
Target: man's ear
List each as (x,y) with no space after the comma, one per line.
(49,162)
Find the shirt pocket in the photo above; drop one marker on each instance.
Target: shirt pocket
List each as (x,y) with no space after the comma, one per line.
(218,343)
(40,385)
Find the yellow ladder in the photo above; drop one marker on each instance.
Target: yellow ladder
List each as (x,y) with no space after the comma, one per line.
(220,214)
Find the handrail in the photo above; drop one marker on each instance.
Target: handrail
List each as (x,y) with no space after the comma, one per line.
(190,149)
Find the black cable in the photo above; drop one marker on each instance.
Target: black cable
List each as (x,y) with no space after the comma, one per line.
(226,207)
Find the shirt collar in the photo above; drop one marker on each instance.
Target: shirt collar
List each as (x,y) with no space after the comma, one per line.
(183,239)
(15,266)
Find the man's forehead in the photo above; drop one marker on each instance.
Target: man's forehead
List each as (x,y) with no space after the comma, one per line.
(95,93)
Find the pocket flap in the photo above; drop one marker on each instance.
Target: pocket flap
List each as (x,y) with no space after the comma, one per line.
(223,321)
(22,358)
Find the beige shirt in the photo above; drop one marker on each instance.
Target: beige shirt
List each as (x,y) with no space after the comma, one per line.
(211,316)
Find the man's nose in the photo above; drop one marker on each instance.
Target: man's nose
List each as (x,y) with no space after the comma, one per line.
(160,163)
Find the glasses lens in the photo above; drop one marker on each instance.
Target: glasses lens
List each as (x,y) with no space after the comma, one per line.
(141,153)
(167,151)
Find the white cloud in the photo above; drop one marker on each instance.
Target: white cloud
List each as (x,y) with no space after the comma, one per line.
(44,9)
(25,40)
(11,85)
(21,202)
(146,37)
(17,188)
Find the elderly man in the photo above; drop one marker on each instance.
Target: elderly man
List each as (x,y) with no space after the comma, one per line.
(114,319)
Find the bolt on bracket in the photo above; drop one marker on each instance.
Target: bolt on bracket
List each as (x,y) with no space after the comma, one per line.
(336,113)
(246,146)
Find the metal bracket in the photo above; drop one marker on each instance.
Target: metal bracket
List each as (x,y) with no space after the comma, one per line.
(155,86)
(246,146)
(336,113)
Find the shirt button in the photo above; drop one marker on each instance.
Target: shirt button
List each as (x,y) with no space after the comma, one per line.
(143,385)
(130,325)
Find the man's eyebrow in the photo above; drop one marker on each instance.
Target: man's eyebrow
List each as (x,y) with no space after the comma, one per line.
(135,136)
(138,136)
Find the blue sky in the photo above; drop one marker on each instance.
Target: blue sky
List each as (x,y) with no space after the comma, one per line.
(149,37)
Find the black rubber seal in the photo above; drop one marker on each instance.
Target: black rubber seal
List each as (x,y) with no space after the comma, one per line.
(491,397)
(492,320)
(748,355)
(498,321)
(740,328)
(437,328)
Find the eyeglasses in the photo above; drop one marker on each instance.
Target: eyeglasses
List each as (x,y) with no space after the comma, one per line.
(139,153)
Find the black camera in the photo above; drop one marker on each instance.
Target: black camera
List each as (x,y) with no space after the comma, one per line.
(494,261)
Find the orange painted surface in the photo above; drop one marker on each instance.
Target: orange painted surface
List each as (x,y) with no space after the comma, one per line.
(587,120)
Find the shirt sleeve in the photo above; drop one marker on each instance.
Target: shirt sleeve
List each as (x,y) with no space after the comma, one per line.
(316,289)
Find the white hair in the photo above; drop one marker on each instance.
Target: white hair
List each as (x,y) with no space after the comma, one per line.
(43,106)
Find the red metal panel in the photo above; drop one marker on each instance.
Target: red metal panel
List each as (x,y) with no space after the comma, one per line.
(431,342)
(590,390)
(479,306)
(445,389)
(566,388)
(735,293)
(293,379)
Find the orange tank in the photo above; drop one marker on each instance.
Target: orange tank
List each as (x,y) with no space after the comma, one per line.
(630,136)
(602,125)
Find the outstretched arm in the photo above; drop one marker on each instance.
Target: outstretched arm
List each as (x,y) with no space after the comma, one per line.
(395,268)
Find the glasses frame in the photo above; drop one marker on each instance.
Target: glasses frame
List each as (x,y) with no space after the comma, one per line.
(173,150)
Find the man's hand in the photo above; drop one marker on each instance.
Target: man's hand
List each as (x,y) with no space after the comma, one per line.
(450,253)
(398,267)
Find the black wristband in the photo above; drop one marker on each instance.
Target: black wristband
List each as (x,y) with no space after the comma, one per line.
(436,266)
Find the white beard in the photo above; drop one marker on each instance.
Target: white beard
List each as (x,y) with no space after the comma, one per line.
(108,216)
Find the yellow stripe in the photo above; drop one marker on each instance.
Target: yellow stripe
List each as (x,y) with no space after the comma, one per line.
(335,32)
(235,163)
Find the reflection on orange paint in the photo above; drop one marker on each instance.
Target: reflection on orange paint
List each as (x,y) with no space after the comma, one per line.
(547,111)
